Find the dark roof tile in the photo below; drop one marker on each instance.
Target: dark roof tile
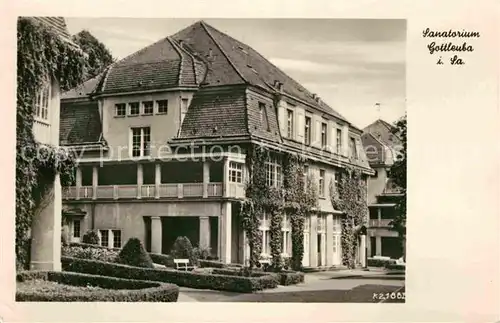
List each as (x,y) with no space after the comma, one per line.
(80,123)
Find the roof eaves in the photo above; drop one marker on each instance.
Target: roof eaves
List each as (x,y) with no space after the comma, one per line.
(223,52)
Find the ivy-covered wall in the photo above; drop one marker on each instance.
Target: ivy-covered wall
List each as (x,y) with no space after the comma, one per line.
(42,57)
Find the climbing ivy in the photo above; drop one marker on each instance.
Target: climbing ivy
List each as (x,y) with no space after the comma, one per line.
(350,198)
(295,198)
(42,56)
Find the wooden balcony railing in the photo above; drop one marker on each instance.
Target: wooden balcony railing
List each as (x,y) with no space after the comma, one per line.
(184,190)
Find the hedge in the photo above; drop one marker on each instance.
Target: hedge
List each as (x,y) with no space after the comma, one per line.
(375,262)
(115,289)
(181,278)
(396,267)
(284,278)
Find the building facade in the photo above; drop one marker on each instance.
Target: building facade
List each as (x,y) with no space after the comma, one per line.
(381,146)
(163,136)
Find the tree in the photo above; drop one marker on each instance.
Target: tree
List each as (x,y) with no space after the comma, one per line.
(134,254)
(99,56)
(398,175)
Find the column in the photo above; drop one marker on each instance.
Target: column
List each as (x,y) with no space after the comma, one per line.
(313,242)
(78,180)
(95,181)
(362,251)
(139,180)
(157,180)
(204,232)
(225,177)
(206,177)
(329,239)
(156,232)
(225,233)
(378,246)
(46,231)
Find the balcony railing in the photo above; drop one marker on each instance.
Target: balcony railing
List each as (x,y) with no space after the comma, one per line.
(184,190)
(382,223)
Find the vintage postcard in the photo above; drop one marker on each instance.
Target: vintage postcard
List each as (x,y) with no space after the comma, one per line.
(252,161)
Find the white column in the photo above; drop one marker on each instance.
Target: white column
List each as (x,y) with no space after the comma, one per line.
(156,232)
(225,232)
(329,239)
(78,180)
(206,177)
(362,251)
(139,181)
(225,177)
(95,181)
(378,245)
(157,180)
(313,241)
(204,232)
(46,231)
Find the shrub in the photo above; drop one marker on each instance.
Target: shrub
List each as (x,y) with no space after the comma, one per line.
(282,278)
(166,260)
(102,254)
(291,278)
(376,262)
(396,266)
(183,249)
(91,237)
(231,283)
(134,254)
(201,253)
(211,264)
(111,289)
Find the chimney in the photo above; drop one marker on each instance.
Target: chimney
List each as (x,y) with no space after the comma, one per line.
(181,43)
(278,85)
(314,96)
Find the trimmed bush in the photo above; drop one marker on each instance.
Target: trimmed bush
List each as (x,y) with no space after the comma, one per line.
(284,278)
(134,254)
(183,249)
(181,278)
(375,262)
(165,260)
(216,264)
(110,289)
(91,237)
(101,254)
(396,267)
(291,278)
(86,245)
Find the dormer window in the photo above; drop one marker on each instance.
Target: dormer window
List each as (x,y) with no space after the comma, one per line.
(41,109)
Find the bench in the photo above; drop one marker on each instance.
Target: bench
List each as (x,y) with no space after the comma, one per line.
(182,264)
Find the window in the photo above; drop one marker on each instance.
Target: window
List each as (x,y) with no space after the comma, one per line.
(184,108)
(289,124)
(273,172)
(320,227)
(235,172)
(117,238)
(134,108)
(352,148)
(335,237)
(339,141)
(266,242)
(162,106)
(323,135)
(41,110)
(322,183)
(141,140)
(104,238)
(307,224)
(307,131)
(147,107)
(285,228)
(76,229)
(336,224)
(263,116)
(336,180)
(120,109)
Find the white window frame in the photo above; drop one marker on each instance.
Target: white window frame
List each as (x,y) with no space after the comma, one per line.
(79,221)
(142,141)
(289,123)
(120,105)
(286,247)
(235,172)
(111,236)
(143,105)
(321,223)
(157,104)
(39,106)
(337,225)
(274,174)
(307,130)
(265,229)
(321,183)
(184,108)
(324,135)
(130,109)
(339,141)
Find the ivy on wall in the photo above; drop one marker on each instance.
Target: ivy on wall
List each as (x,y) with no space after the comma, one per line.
(294,197)
(42,56)
(350,198)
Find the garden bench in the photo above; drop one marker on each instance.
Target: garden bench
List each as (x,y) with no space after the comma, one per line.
(182,264)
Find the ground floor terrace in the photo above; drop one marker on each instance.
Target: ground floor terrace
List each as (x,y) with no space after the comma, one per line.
(208,224)
(382,240)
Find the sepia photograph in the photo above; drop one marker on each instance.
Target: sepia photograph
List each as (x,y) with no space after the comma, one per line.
(211,160)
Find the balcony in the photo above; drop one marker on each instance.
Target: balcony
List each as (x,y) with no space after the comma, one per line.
(175,191)
(382,223)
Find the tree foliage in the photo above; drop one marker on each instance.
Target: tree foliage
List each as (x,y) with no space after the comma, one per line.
(398,175)
(42,57)
(99,56)
(350,198)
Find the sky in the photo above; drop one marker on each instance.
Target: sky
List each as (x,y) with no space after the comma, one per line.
(351,64)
